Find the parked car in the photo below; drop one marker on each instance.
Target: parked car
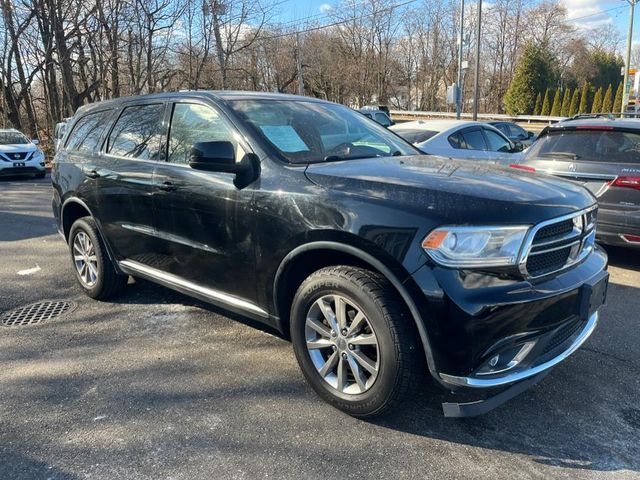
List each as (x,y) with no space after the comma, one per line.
(515,133)
(603,155)
(58,133)
(378,116)
(19,155)
(377,261)
(459,139)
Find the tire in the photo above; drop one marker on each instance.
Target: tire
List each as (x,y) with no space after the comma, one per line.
(99,280)
(396,354)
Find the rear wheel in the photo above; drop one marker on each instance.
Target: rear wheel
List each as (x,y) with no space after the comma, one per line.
(94,271)
(353,340)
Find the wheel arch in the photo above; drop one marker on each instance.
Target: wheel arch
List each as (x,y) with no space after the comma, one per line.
(74,208)
(287,280)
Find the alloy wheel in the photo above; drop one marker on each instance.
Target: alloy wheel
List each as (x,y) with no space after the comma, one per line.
(342,344)
(84,259)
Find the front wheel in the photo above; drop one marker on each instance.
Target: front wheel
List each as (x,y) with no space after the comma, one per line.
(354,341)
(94,271)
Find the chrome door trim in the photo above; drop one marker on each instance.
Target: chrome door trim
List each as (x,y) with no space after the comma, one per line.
(214,296)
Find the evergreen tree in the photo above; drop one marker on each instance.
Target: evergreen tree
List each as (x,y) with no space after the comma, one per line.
(538,106)
(566,100)
(607,101)
(617,103)
(555,109)
(546,108)
(534,73)
(584,99)
(573,107)
(596,106)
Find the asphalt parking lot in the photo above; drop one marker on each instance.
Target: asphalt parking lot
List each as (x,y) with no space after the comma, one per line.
(155,385)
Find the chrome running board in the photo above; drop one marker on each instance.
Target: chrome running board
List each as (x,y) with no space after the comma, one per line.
(175,282)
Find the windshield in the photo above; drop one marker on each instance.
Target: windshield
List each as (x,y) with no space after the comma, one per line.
(588,145)
(13,138)
(308,132)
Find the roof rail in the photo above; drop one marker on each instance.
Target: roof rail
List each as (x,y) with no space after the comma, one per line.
(608,115)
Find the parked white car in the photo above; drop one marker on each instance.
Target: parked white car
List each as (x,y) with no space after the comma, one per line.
(19,155)
(459,139)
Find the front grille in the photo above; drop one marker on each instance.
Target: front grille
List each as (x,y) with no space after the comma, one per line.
(16,156)
(548,262)
(560,244)
(554,230)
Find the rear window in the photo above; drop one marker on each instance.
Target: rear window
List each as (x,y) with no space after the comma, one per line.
(138,132)
(87,132)
(588,145)
(415,136)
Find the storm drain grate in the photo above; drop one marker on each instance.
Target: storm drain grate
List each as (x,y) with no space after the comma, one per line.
(35,313)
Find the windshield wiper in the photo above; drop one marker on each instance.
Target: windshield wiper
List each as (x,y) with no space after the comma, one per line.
(570,155)
(336,158)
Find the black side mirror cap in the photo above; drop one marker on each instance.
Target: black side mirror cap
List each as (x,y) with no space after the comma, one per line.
(221,157)
(213,157)
(531,134)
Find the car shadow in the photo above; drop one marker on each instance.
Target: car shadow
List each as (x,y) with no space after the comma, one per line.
(622,257)
(19,226)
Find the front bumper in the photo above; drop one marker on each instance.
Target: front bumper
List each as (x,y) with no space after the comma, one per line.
(31,167)
(534,370)
(473,317)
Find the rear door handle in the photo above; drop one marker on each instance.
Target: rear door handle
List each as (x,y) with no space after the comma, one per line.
(167,187)
(92,174)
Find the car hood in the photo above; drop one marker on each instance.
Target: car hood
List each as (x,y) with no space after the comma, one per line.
(23,147)
(458,191)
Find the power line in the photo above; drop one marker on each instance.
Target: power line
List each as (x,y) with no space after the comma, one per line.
(340,22)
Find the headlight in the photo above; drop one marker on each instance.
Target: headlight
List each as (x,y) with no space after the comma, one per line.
(37,155)
(469,247)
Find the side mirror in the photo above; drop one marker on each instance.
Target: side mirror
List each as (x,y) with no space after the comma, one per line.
(214,157)
(221,157)
(517,147)
(531,134)
(35,141)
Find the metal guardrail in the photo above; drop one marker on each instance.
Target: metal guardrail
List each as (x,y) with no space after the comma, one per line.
(417,115)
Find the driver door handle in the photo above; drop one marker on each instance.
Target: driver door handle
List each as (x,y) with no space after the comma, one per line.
(167,187)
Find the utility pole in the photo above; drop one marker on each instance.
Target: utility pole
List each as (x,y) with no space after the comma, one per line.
(476,93)
(459,83)
(299,65)
(627,66)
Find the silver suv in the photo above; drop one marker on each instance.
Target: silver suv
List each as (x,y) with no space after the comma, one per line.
(603,154)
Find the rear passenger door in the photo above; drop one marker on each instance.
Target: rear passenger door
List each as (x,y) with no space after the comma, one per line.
(125,181)
(204,221)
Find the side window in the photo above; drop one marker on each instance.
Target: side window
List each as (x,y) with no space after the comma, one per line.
(518,132)
(138,132)
(503,128)
(191,123)
(496,142)
(382,119)
(456,141)
(474,139)
(87,132)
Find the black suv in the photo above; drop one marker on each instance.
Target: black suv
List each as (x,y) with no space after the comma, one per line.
(380,263)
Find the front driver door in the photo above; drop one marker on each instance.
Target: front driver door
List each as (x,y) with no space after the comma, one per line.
(204,221)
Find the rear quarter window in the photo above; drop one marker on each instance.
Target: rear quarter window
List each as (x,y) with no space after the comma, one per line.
(87,132)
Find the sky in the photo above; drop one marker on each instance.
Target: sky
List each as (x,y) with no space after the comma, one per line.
(583,13)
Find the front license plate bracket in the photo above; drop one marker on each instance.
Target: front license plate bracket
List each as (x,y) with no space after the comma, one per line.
(593,294)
